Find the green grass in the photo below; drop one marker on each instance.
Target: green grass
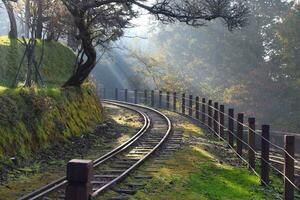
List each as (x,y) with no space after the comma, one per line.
(56,68)
(196,173)
(193,174)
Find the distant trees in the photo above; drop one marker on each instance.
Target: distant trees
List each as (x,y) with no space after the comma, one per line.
(256,68)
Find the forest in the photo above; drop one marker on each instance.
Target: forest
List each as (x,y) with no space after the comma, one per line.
(255,69)
(160,99)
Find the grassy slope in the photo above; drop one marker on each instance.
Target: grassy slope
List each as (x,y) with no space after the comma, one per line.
(196,173)
(56,67)
(30,118)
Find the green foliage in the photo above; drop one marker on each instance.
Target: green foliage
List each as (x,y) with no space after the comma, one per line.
(56,68)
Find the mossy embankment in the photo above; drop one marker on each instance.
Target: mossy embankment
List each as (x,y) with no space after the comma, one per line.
(32,118)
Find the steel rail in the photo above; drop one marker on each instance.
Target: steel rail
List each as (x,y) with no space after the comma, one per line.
(62,181)
(140,161)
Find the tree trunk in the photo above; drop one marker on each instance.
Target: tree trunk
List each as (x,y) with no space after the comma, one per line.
(71,37)
(13,33)
(85,68)
(27,18)
(39,25)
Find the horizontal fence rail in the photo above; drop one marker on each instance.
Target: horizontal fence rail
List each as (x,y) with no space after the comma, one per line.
(276,151)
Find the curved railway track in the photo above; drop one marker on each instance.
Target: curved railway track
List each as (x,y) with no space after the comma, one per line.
(116,165)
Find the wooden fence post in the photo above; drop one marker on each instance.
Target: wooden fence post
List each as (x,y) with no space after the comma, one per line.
(183,103)
(175,101)
(126,95)
(116,94)
(203,110)
(216,119)
(160,99)
(222,110)
(79,177)
(230,126)
(152,98)
(191,105)
(146,97)
(240,130)
(135,96)
(251,142)
(289,166)
(210,113)
(265,149)
(197,108)
(168,100)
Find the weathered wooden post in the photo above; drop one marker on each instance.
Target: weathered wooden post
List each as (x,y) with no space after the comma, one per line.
(126,95)
(230,126)
(174,101)
(168,100)
(152,98)
(79,177)
(289,166)
(183,104)
(160,99)
(251,142)
(222,110)
(203,110)
(240,130)
(191,105)
(135,96)
(197,108)
(116,94)
(216,119)
(265,149)
(146,97)
(210,113)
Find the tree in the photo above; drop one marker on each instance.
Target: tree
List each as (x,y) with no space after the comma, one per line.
(13,33)
(99,22)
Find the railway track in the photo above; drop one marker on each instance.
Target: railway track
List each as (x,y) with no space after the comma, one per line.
(117,164)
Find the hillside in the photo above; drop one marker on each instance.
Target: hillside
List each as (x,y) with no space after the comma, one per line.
(32,118)
(56,67)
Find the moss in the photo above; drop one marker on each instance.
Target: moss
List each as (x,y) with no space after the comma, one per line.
(33,117)
(193,174)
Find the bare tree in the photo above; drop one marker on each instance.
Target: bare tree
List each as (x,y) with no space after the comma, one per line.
(39,20)
(101,21)
(27,18)
(33,74)
(13,33)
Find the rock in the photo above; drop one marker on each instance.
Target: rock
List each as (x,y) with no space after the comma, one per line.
(100,129)
(14,160)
